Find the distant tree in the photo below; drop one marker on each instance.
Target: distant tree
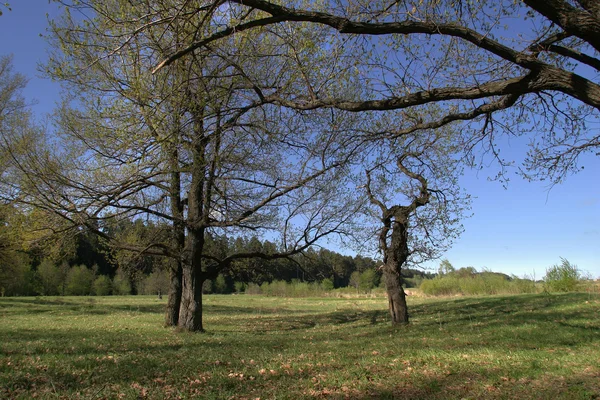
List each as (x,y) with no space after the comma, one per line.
(466,272)
(49,278)
(79,281)
(121,283)
(157,282)
(220,285)
(355,280)
(102,286)
(446,267)
(240,287)
(368,280)
(63,275)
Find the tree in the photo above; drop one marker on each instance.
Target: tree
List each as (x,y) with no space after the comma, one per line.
(368,280)
(102,286)
(446,267)
(194,148)
(327,285)
(414,194)
(525,67)
(79,281)
(355,280)
(121,283)
(49,278)
(12,111)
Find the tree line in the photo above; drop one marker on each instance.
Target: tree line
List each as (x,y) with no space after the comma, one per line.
(92,267)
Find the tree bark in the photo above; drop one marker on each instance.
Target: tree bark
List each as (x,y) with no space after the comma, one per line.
(395,256)
(178,235)
(190,314)
(174,300)
(396,296)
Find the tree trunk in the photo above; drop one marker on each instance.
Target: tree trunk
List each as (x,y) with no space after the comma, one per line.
(190,313)
(396,296)
(396,255)
(178,233)
(174,300)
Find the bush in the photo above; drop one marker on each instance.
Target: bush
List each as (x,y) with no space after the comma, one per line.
(240,287)
(49,278)
(563,277)
(17,278)
(156,282)
(441,286)
(483,283)
(253,288)
(121,284)
(327,285)
(102,286)
(79,281)
(207,287)
(220,285)
(368,280)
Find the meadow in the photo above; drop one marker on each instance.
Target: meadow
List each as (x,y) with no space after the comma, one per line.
(533,346)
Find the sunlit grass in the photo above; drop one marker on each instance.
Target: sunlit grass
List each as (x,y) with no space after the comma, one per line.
(528,346)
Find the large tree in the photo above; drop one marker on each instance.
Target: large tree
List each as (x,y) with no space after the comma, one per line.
(411,183)
(195,147)
(518,67)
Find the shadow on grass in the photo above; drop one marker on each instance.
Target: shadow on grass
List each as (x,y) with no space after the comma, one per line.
(254,332)
(468,385)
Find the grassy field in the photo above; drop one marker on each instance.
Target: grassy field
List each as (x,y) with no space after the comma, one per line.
(526,347)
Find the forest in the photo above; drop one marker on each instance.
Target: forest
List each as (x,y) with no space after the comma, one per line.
(86,265)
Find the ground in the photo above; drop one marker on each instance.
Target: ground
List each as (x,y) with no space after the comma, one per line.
(502,347)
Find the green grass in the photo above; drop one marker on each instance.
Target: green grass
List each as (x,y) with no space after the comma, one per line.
(502,347)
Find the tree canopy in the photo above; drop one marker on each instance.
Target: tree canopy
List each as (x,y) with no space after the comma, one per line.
(513,67)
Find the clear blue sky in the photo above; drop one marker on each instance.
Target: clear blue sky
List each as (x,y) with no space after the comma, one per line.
(521,230)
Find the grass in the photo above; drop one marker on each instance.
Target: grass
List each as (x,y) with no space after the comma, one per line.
(502,347)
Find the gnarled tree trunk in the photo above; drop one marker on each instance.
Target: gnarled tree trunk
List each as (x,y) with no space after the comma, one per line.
(395,256)
(393,241)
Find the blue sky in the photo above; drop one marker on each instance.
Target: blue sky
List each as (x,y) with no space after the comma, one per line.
(523,229)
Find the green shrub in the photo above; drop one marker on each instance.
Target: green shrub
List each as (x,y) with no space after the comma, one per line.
(327,285)
(157,282)
(207,287)
(253,288)
(49,278)
(441,286)
(563,277)
(121,283)
(368,279)
(102,286)
(240,287)
(220,285)
(472,284)
(79,281)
